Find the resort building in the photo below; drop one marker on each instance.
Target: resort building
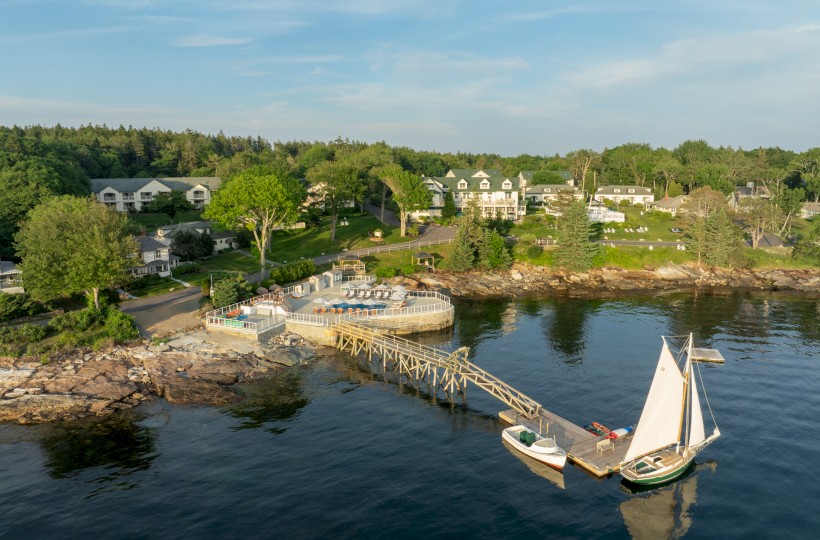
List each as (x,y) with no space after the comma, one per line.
(543,193)
(155,256)
(671,205)
(10,275)
(810,210)
(130,194)
(224,239)
(495,193)
(633,194)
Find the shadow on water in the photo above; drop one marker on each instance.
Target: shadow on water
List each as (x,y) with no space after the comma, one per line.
(115,442)
(273,400)
(663,512)
(564,326)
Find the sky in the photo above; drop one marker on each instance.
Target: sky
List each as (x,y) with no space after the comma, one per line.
(541,77)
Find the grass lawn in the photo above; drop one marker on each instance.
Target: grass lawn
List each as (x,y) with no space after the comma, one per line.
(224,262)
(162,287)
(151,220)
(398,259)
(292,245)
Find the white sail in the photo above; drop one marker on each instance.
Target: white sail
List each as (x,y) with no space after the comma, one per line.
(696,432)
(660,421)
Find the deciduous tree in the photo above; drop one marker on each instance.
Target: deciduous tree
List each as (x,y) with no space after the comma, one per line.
(335,184)
(409,192)
(71,244)
(258,200)
(169,202)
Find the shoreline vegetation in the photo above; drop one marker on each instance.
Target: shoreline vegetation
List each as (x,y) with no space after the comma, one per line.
(195,367)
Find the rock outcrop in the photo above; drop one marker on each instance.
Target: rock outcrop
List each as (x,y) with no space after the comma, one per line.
(189,369)
(524,280)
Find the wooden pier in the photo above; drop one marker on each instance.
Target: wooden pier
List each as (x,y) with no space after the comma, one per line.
(450,372)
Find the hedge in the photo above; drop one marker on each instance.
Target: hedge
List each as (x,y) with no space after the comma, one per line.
(292,272)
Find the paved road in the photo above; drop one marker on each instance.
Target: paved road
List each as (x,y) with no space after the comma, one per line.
(165,313)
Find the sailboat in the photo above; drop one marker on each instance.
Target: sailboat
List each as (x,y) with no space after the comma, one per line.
(670,432)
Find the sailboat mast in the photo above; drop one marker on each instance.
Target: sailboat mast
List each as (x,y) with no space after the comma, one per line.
(686,391)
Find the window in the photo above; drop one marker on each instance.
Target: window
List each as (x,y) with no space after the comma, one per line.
(631,190)
(616,190)
(158,254)
(485,184)
(462,184)
(146,195)
(506,185)
(508,195)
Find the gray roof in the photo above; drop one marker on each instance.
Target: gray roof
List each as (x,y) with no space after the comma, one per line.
(149,243)
(670,202)
(549,188)
(474,184)
(610,190)
(133,185)
(468,173)
(8,268)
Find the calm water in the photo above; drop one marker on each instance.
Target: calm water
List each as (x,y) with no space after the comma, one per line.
(327,451)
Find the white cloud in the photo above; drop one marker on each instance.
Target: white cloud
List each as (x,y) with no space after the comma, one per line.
(206,40)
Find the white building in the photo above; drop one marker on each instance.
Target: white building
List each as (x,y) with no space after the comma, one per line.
(155,256)
(543,193)
(633,194)
(495,194)
(130,194)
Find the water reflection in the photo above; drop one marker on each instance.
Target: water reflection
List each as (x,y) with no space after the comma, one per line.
(544,471)
(564,326)
(272,400)
(116,442)
(663,512)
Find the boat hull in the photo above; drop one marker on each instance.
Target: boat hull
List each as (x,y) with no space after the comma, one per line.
(541,450)
(657,468)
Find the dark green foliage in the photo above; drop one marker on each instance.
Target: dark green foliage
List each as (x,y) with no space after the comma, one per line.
(723,245)
(576,250)
(292,272)
(26,333)
(186,268)
(493,252)
(136,284)
(14,306)
(77,320)
(120,326)
(191,245)
(170,203)
(225,293)
(547,178)
(448,211)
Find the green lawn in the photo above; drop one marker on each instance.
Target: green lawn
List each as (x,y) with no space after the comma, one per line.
(152,221)
(292,245)
(224,262)
(398,259)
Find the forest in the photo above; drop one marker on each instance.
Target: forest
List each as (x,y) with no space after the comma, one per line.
(37,162)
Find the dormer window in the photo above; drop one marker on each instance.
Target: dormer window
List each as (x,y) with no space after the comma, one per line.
(506,185)
(485,184)
(631,190)
(616,190)
(462,184)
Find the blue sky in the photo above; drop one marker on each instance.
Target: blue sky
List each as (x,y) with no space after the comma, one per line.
(539,77)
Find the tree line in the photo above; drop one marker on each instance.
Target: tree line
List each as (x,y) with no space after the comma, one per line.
(37,162)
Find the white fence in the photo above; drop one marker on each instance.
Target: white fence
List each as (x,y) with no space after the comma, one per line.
(392,247)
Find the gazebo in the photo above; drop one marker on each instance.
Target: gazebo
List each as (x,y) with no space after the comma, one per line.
(422,258)
(349,264)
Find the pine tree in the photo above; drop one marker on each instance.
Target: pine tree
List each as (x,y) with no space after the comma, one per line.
(462,257)
(723,246)
(576,250)
(448,212)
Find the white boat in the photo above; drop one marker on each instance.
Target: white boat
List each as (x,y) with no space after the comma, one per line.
(539,448)
(670,432)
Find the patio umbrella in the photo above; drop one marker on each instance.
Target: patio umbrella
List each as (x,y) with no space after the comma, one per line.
(399,288)
(275,288)
(336,302)
(322,301)
(261,290)
(363,286)
(382,286)
(368,303)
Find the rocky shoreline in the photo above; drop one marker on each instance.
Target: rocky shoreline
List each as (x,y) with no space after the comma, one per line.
(191,368)
(525,280)
(198,367)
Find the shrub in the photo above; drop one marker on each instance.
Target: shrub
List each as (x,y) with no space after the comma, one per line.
(143,282)
(186,268)
(77,320)
(27,333)
(14,306)
(385,273)
(120,326)
(292,272)
(408,269)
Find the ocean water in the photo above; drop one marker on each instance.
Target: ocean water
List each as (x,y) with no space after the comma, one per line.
(329,451)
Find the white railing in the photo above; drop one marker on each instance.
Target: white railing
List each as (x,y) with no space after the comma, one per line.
(269,297)
(429,294)
(392,247)
(396,312)
(306,318)
(249,327)
(369,278)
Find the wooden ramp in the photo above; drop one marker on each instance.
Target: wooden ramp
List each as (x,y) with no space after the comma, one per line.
(451,372)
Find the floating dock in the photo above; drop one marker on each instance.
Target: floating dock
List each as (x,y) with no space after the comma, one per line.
(594,454)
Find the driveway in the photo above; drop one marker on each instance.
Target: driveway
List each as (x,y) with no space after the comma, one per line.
(166,313)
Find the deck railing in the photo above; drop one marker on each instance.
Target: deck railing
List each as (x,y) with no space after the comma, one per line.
(249,327)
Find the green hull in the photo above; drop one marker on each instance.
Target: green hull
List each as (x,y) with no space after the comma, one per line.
(665,477)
